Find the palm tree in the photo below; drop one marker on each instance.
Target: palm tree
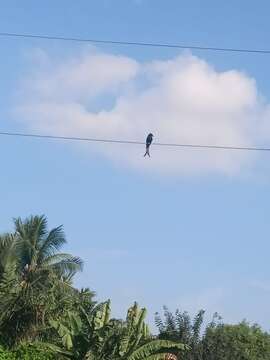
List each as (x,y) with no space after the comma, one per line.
(35,278)
(37,250)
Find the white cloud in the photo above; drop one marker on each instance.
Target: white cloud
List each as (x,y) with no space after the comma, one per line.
(183,100)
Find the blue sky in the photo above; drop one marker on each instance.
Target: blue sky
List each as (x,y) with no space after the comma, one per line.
(188,230)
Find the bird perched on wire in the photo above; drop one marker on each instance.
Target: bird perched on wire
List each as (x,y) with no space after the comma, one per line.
(149,140)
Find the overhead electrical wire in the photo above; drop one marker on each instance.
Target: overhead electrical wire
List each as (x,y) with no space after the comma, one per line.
(131,142)
(135,43)
(129,43)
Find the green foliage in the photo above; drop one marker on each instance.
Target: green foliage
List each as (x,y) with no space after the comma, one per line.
(180,327)
(35,279)
(102,316)
(155,348)
(242,341)
(103,338)
(42,316)
(219,342)
(68,329)
(27,352)
(33,352)
(6,355)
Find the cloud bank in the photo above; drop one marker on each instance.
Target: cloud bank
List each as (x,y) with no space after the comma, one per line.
(181,100)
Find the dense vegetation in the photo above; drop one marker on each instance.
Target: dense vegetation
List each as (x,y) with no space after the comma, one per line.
(43,316)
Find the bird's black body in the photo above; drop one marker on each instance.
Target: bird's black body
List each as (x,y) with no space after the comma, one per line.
(149,140)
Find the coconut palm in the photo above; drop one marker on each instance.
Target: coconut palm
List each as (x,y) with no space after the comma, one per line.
(37,250)
(35,278)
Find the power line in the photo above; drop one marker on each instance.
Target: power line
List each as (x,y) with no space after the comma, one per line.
(135,43)
(130,142)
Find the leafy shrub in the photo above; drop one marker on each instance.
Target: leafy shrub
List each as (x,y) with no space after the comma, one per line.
(33,352)
(6,355)
(27,352)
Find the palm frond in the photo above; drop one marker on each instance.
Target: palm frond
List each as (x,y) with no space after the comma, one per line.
(52,243)
(29,233)
(7,254)
(24,253)
(9,291)
(6,241)
(34,227)
(64,264)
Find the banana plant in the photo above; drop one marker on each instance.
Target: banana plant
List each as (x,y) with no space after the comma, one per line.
(104,338)
(79,333)
(134,331)
(156,350)
(131,340)
(68,329)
